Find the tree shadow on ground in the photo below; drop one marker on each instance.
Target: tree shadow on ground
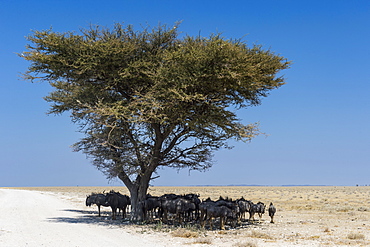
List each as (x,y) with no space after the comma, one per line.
(90,217)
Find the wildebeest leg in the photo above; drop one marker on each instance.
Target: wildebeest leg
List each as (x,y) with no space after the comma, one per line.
(164,216)
(207,221)
(150,215)
(114,213)
(146,215)
(222,223)
(99,209)
(153,214)
(202,223)
(260,217)
(197,214)
(124,212)
(251,217)
(239,219)
(210,222)
(272,219)
(202,218)
(180,216)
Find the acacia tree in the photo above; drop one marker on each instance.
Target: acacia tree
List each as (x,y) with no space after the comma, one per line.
(151,98)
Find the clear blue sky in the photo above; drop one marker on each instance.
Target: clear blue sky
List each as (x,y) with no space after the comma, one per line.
(317,124)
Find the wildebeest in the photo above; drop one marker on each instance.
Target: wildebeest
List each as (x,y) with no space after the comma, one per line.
(223,209)
(117,200)
(178,206)
(272,211)
(194,198)
(203,206)
(244,206)
(98,199)
(233,215)
(149,205)
(258,208)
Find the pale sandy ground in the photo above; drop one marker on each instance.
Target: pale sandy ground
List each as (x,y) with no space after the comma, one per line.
(307,216)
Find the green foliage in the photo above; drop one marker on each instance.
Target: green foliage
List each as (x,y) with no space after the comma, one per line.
(151,98)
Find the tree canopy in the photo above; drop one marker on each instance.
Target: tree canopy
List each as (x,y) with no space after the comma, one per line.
(154,97)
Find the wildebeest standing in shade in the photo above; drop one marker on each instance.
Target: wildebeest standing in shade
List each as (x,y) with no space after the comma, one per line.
(98,199)
(233,205)
(203,207)
(178,207)
(272,211)
(117,200)
(222,212)
(194,198)
(223,209)
(149,205)
(124,201)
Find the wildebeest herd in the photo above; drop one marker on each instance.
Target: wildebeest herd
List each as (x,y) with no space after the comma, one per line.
(186,208)
(113,199)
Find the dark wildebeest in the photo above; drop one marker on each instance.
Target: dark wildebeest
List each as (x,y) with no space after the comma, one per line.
(98,199)
(244,206)
(272,211)
(117,200)
(223,209)
(203,206)
(178,206)
(258,208)
(149,205)
(222,212)
(194,198)
(223,201)
(233,205)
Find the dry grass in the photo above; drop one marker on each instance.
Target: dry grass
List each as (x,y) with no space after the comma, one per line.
(245,244)
(259,234)
(184,233)
(356,236)
(202,241)
(327,229)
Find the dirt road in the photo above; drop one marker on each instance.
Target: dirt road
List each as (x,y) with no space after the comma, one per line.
(30,218)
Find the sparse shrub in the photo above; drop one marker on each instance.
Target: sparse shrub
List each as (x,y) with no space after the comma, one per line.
(258,234)
(158,226)
(202,241)
(185,233)
(245,244)
(355,236)
(344,209)
(362,209)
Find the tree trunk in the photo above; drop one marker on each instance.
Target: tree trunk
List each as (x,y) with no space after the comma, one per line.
(138,195)
(138,191)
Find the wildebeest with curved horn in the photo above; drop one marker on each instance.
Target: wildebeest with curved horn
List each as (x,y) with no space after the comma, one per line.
(117,200)
(97,199)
